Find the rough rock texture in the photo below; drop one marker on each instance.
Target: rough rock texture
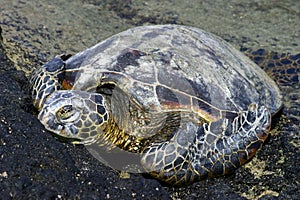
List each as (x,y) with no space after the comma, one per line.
(34,164)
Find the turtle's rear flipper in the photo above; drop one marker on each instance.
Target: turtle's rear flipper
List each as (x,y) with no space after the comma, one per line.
(281,67)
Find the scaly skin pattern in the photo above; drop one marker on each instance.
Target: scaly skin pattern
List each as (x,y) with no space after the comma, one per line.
(210,150)
(156,110)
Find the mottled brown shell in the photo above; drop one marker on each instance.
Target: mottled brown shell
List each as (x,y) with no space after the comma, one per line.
(170,66)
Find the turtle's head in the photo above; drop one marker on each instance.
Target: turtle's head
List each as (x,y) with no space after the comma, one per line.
(73,114)
(47,79)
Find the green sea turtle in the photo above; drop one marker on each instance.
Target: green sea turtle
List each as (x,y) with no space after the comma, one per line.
(182,99)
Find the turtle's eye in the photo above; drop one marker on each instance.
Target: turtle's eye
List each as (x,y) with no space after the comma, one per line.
(67,114)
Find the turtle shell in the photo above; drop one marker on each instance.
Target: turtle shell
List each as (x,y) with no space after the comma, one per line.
(182,101)
(171,67)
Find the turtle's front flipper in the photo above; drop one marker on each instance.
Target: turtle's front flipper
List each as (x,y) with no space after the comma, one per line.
(214,149)
(47,80)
